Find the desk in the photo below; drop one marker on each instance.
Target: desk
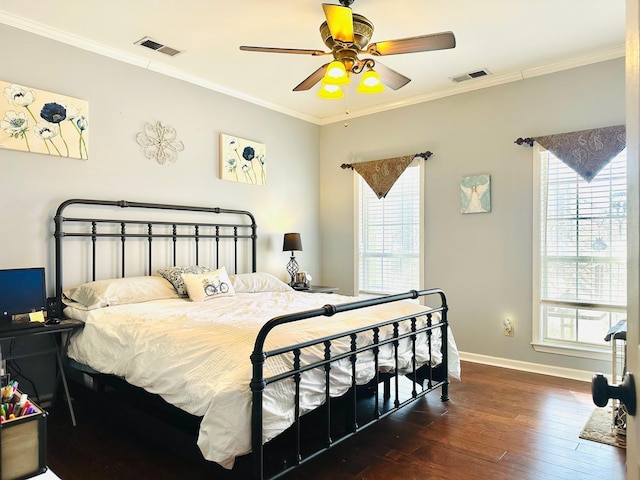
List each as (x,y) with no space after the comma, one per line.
(58,346)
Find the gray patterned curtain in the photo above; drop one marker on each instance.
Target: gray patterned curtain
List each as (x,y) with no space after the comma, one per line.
(587,151)
(381,175)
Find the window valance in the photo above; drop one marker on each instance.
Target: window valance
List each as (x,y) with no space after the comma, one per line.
(587,151)
(380,175)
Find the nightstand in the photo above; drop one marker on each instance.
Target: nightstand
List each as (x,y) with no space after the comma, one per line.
(59,335)
(317,289)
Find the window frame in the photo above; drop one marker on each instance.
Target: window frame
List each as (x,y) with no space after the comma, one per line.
(358,182)
(538,342)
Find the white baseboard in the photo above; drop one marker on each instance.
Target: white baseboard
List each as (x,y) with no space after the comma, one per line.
(569,373)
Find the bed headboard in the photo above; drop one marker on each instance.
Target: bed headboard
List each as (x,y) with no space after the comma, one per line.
(98,239)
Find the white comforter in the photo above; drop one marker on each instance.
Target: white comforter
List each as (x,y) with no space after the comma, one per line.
(196,356)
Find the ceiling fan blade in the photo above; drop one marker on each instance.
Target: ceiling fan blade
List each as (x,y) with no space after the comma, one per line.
(340,22)
(283,50)
(312,79)
(423,43)
(391,78)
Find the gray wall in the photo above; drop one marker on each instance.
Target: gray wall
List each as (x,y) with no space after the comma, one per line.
(482,261)
(121,99)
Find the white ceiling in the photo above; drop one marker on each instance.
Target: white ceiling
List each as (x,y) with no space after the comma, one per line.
(513,39)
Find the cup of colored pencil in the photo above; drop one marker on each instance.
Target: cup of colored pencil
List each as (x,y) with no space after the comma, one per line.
(17,404)
(9,391)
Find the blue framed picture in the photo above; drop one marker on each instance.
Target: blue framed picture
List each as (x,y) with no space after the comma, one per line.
(475,194)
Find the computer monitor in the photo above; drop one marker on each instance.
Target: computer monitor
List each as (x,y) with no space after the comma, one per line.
(22,290)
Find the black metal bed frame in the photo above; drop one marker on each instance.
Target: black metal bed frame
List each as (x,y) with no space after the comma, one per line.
(423,379)
(229,231)
(418,375)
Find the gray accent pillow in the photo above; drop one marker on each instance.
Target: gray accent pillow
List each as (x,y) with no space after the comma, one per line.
(174,275)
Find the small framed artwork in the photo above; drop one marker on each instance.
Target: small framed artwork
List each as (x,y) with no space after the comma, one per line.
(39,121)
(475,194)
(242,160)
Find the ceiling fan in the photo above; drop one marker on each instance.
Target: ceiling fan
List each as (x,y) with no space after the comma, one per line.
(347,35)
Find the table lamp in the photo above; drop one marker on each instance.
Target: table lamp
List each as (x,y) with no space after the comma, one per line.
(292,243)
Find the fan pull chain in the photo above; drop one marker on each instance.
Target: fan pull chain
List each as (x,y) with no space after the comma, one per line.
(346,108)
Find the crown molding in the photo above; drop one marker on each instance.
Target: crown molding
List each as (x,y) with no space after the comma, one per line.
(464,87)
(596,57)
(70,39)
(456,89)
(139,61)
(486,82)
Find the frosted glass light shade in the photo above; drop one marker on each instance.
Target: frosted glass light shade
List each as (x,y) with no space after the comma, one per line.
(370,83)
(330,92)
(336,74)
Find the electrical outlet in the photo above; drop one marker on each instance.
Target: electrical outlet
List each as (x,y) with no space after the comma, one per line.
(508,327)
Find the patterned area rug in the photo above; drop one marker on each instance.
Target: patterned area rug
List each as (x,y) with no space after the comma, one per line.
(599,429)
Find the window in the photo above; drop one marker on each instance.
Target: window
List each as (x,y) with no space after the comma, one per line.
(581,261)
(389,235)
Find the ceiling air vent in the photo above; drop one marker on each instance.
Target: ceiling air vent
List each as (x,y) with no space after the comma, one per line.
(158,47)
(468,76)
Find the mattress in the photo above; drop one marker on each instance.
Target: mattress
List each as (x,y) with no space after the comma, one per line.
(195,355)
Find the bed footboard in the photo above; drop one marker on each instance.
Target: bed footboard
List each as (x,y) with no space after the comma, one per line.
(422,378)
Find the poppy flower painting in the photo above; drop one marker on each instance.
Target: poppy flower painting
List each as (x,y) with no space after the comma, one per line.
(242,160)
(38,121)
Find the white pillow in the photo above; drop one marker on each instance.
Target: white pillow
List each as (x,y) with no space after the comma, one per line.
(118,291)
(174,275)
(205,286)
(258,282)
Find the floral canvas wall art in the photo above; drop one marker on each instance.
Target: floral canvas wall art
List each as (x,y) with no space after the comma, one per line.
(475,194)
(242,160)
(38,121)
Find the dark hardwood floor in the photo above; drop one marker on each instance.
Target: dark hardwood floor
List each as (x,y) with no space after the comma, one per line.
(499,424)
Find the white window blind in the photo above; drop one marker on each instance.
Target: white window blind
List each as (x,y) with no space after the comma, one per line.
(583,251)
(389,236)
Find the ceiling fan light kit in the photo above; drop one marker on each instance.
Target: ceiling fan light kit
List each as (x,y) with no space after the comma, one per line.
(370,83)
(328,91)
(336,74)
(347,35)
